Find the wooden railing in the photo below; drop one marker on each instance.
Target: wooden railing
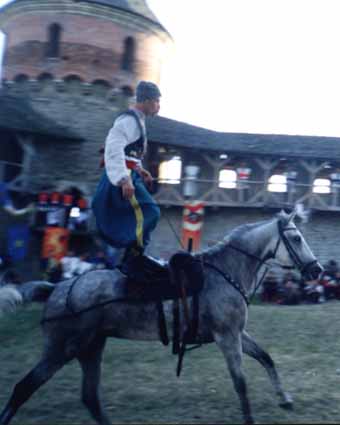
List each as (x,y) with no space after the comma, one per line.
(247,194)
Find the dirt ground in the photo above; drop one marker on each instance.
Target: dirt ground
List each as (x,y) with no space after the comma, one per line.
(139,384)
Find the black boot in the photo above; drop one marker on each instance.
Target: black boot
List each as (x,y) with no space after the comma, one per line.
(130,261)
(142,268)
(154,270)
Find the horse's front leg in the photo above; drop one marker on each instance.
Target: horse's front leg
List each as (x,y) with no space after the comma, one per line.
(231,347)
(253,350)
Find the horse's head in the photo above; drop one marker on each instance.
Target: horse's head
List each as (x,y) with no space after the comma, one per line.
(292,250)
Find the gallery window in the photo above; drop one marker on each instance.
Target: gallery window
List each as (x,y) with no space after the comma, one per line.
(227,179)
(322,186)
(170,171)
(277,183)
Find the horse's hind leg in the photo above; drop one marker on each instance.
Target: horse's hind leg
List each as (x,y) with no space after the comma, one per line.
(253,350)
(231,347)
(90,362)
(41,373)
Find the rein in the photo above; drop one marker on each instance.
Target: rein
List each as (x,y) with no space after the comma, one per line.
(261,261)
(230,280)
(233,282)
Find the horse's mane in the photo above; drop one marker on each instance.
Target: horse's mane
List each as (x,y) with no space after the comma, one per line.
(233,237)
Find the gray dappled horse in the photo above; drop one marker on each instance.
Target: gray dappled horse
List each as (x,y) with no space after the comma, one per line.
(222,315)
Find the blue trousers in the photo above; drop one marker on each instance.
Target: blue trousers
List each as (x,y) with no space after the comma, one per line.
(124,222)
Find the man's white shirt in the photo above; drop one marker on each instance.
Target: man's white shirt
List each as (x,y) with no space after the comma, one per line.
(124,131)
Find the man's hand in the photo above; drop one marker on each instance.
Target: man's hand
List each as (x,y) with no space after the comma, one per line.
(147,178)
(128,189)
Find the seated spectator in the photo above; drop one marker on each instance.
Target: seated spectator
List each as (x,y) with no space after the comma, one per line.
(332,267)
(69,265)
(100,261)
(54,270)
(270,288)
(84,264)
(313,292)
(73,265)
(291,289)
(329,279)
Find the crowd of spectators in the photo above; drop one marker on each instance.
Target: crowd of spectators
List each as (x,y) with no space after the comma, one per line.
(288,288)
(73,264)
(291,288)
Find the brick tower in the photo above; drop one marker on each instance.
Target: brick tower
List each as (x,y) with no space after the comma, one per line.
(71,66)
(108,43)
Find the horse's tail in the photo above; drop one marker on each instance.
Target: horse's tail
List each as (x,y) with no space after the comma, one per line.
(13,295)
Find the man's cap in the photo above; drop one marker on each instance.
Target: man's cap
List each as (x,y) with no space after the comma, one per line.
(146,90)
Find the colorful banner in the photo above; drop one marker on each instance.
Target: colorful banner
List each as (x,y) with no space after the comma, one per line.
(193,213)
(17,241)
(55,243)
(4,197)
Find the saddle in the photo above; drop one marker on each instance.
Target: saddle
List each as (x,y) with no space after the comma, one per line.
(177,280)
(153,280)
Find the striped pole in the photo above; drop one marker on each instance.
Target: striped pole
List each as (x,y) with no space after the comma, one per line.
(193,213)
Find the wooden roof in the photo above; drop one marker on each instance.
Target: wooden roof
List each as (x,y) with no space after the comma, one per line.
(90,120)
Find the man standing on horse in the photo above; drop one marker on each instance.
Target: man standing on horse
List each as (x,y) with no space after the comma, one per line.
(125,212)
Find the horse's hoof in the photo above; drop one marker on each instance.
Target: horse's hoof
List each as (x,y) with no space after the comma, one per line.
(287,405)
(287,401)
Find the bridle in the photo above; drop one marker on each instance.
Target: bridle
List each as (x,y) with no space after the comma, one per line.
(272,254)
(269,256)
(290,249)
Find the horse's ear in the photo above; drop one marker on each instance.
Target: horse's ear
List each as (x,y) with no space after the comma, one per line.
(286,218)
(291,216)
(301,212)
(283,217)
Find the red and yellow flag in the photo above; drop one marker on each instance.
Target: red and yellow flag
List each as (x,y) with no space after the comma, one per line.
(55,243)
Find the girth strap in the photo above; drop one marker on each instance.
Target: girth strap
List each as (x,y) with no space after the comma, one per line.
(178,267)
(190,334)
(176,327)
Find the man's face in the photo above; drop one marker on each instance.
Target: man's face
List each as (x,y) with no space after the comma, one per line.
(151,107)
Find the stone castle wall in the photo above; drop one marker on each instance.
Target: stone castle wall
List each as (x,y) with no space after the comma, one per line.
(68,103)
(320,233)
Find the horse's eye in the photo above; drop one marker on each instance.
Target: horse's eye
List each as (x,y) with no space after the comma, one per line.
(297,238)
